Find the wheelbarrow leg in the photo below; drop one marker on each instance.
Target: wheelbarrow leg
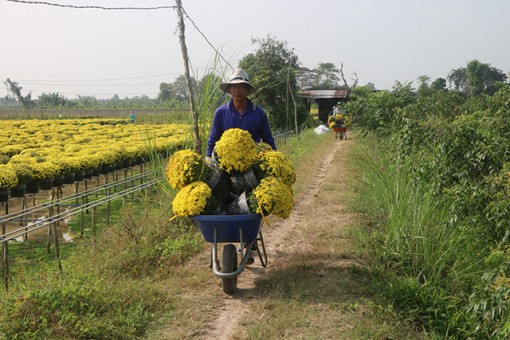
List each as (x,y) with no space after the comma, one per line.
(261,250)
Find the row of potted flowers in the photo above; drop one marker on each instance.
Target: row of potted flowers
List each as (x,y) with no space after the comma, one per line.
(94,147)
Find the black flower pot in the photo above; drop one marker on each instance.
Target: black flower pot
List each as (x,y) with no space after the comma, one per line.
(69,178)
(89,173)
(105,169)
(4,194)
(46,184)
(79,175)
(33,187)
(58,181)
(19,190)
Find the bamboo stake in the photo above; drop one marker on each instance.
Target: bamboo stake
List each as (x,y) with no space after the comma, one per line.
(5,259)
(184,51)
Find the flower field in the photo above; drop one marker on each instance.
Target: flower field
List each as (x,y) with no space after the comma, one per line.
(42,149)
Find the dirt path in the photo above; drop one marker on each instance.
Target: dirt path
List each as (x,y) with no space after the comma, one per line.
(279,243)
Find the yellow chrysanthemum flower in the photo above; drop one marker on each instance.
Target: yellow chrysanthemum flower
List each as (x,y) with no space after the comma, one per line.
(8,178)
(236,151)
(274,163)
(263,147)
(192,199)
(185,167)
(274,197)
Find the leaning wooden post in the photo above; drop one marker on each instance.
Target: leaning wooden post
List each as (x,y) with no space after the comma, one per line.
(55,239)
(50,231)
(93,221)
(184,51)
(82,217)
(5,259)
(108,205)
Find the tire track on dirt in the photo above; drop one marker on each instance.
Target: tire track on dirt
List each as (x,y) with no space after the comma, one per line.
(276,238)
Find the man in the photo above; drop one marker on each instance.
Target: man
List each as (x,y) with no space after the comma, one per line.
(240,113)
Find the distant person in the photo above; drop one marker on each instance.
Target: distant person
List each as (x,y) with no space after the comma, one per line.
(239,112)
(132,117)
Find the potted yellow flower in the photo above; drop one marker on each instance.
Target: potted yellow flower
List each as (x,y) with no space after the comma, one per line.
(235,151)
(193,199)
(25,175)
(271,196)
(274,163)
(8,179)
(185,167)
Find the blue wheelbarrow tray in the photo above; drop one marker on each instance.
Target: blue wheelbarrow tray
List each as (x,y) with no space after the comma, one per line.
(229,228)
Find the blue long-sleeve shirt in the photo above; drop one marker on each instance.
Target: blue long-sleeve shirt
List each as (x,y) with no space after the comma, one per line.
(254,120)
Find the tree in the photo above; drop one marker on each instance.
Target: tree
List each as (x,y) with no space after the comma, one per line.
(457,77)
(87,102)
(50,100)
(272,70)
(423,85)
(326,76)
(15,89)
(370,85)
(439,84)
(165,91)
(477,78)
(180,87)
(305,78)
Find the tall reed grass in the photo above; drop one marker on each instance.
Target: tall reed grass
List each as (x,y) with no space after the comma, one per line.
(423,257)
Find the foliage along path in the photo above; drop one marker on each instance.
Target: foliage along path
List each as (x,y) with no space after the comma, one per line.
(315,283)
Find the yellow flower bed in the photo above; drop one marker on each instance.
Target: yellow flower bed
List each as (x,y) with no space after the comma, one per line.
(51,147)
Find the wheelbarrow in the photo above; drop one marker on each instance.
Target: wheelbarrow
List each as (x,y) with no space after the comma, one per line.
(231,229)
(340,132)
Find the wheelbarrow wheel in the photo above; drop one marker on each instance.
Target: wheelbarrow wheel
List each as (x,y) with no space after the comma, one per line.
(229,265)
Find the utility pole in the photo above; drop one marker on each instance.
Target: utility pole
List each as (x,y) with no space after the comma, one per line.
(184,50)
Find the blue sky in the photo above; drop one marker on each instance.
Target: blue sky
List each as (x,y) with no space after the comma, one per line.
(129,53)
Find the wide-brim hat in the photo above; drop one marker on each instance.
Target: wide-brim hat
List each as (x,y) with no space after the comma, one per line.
(238,77)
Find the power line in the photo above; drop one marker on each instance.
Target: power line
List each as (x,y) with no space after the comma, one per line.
(71,84)
(96,93)
(91,7)
(130,8)
(207,40)
(88,80)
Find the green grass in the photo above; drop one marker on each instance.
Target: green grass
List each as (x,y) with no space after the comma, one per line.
(423,262)
(108,288)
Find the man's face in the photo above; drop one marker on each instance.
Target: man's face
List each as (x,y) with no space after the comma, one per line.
(239,91)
